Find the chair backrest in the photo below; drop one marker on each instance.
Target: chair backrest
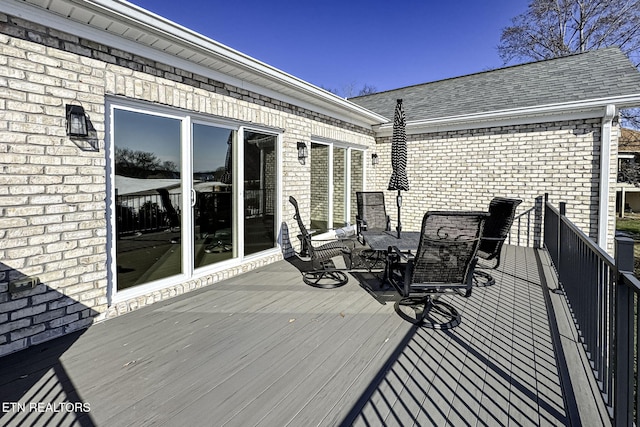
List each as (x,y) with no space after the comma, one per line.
(447,249)
(371,209)
(296,216)
(172,214)
(502,211)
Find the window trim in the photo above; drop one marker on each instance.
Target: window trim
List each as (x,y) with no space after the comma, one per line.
(187,119)
(349,148)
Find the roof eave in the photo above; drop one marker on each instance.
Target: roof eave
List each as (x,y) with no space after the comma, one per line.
(240,70)
(517,116)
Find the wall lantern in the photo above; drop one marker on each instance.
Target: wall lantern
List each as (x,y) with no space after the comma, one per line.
(302,152)
(76,121)
(374,159)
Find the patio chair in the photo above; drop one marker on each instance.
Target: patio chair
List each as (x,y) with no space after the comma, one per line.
(502,212)
(443,264)
(322,253)
(372,216)
(173,217)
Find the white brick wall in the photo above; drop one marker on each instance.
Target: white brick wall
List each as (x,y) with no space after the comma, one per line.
(53,189)
(465,169)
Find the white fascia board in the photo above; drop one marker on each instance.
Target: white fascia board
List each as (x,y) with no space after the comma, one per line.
(149,23)
(517,116)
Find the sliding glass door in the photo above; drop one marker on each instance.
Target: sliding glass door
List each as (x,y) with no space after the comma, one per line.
(336,175)
(320,183)
(214,233)
(260,184)
(148,197)
(188,194)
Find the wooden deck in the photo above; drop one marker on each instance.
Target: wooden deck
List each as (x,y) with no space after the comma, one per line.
(264,349)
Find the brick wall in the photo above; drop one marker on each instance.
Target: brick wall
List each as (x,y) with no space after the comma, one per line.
(53,188)
(465,169)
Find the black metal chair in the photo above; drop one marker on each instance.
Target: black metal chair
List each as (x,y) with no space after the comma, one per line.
(325,274)
(371,217)
(372,213)
(443,264)
(502,212)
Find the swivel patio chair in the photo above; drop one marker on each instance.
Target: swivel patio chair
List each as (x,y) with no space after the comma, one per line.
(502,212)
(372,213)
(371,217)
(443,264)
(322,253)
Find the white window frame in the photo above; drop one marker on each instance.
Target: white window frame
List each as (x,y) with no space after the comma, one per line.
(349,147)
(187,118)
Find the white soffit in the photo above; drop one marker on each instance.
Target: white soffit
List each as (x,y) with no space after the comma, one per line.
(120,24)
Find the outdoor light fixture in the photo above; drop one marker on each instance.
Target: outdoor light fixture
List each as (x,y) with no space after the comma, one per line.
(302,152)
(374,159)
(76,121)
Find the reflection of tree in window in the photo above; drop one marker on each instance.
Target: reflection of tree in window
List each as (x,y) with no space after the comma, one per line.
(142,164)
(148,197)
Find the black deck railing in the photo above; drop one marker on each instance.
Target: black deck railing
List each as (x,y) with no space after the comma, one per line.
(602,294)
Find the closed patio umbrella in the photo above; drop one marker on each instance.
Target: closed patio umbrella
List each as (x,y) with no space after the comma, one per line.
(226,177)
(399,180)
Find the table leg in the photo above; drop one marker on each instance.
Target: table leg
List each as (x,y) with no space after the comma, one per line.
(385,275)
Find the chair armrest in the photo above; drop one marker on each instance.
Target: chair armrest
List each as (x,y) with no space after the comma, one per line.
(346,243)
(494,239)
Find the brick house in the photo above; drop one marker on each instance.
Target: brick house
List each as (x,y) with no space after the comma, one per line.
(191,151)
(627,194)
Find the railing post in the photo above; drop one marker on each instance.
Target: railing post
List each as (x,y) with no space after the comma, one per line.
(623,394)
(537,223)
(563,213)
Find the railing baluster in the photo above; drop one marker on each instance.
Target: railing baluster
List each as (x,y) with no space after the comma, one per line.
(602,295)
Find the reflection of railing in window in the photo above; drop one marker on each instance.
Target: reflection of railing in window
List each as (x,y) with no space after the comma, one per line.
(213,211)
(147,213)
(259,202)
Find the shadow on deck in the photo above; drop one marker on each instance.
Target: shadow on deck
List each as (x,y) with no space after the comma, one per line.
(265,349)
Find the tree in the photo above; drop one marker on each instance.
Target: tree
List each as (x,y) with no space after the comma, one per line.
(142,164)
(350,91)
(554,28)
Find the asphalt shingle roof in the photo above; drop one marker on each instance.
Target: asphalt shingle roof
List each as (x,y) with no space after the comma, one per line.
(590,75)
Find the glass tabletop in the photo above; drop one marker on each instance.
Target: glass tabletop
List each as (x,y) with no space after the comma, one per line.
(380,241)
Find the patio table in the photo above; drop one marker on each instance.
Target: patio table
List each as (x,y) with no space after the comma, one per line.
(382,241)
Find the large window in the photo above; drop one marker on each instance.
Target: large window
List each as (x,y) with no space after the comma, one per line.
(213,230)
(175,209)
(336,175)
(260,183)
(148,194)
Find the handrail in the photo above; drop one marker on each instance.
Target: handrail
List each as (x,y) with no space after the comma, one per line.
(602,294)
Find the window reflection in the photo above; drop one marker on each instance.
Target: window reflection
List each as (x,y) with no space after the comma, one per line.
(260,183)
(213,185)
(148,197)
(319,187)
(357,166)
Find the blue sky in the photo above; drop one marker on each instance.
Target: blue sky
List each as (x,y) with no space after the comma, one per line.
(350,43)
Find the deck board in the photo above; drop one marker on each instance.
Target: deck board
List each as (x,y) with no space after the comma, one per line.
(263,349)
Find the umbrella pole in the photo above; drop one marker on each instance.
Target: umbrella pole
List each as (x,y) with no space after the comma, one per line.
(399,203)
